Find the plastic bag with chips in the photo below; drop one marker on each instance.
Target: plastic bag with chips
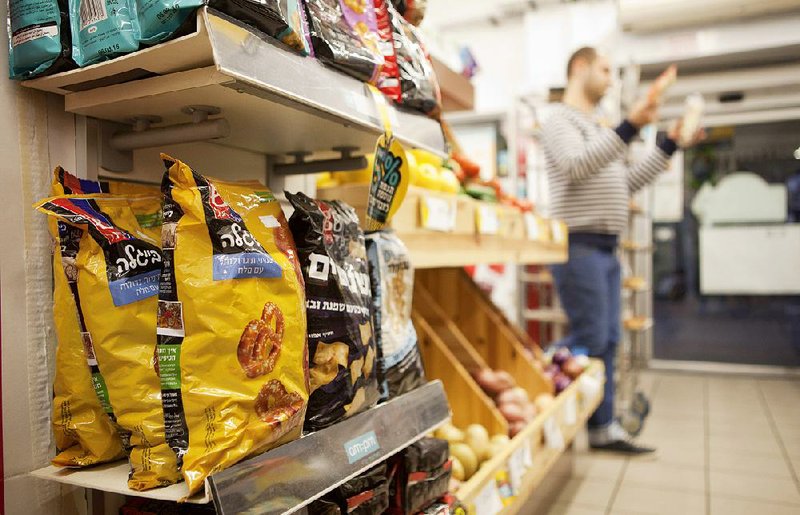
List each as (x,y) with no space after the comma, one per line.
(38,38)
(102,29)
(161,19)
(118,265)
(420,88)
(400,367)
(342,353)
(272,17)
(232,348)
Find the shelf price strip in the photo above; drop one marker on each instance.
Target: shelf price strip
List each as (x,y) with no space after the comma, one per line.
(438,214)
(487,219)
(552,434)
(518,463)
(532,227)
(488,501)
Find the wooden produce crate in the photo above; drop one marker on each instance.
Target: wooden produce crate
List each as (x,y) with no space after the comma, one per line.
(468,403)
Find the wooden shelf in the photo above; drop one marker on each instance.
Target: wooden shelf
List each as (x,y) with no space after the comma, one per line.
(461,244)
(275,101)
(551,316)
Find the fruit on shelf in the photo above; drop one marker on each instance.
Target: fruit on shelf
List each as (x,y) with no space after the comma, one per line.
(450,433)
(477,437)
(427,177)
(326,180)
(457,469)
(421,157)
(561,382)
(516,395)
(543,401)
(448,182)
(464,453)
(471,168)
(572,367)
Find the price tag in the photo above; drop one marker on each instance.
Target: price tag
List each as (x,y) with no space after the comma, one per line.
(438,214)
(557,230)
(552,434)
(532,227)
(361,104)
(590,387)
(519,462)
(488,501)
(488,221)
(571,410)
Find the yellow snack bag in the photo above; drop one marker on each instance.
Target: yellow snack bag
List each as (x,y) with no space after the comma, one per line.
(231,323)
(83,422)
(118,266)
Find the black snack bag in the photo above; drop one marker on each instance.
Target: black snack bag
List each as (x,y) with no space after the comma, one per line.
(420,88)
(365,494)
(400,367)
(419,476)
(344,38)
(341,348)
(272,17)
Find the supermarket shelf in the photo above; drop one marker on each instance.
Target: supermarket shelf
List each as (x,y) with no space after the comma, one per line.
(285,479)
(457,242)
(637,324)
(553,316)
(274,100)
(533,452)
(543,277)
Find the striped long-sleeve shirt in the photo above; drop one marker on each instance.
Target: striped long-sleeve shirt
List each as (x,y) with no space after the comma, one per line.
(590,180)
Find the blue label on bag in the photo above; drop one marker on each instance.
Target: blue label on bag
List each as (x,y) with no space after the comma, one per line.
(361,447)
(245,265)
(132,289)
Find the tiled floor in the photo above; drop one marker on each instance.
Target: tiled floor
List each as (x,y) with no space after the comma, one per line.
(727,445)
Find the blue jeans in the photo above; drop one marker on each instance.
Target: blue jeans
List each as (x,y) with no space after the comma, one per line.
(589,288)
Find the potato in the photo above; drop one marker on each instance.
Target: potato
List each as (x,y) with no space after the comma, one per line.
(450,433)
(496,448)
(511,411)
(499,439)
(529,411)
(493,382)
(515,395)
(457,469)
(542,401)
(466,456)
(477,437)
(516,427)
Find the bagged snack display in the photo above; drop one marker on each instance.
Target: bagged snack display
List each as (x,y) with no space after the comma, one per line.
(272,17)
(38,37)
(389,78)
(341,347)
(419,476)
(344,35)
(420,89)
(365,494)
(117,282)
(102,29)
(84,425)
(400,367)
(160,19)
(232,348)
(411,10)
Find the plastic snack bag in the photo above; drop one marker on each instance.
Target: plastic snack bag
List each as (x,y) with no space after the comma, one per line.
(272,17)
(118,266)
(38,38)
(400,367)
(160,19)
(419,476)
(102,29)
(420,89)
(84,425)
(345,36)
(341,348)
(231,323)
(389,78)
(365,494)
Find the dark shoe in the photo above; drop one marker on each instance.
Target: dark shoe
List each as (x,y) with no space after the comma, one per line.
(623,447)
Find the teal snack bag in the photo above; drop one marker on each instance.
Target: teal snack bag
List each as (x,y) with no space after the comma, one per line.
(160,19)
(38,37)
(102,29)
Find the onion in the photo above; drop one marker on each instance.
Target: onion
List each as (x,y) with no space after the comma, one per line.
(561,382)
(515,395)
(561,356)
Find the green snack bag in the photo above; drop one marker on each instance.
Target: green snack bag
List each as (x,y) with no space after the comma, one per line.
(161,19)
(102,29)
(38,37)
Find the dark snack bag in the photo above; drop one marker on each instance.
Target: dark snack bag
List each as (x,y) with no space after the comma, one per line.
(344,35)
(419,476)
(161,19)
(341,348)
(420,89)
(272,17)
(365,494)
(38,38)
(411,10)
(400,367)
(389,77)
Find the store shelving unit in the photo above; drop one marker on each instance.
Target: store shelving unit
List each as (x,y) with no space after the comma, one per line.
(278,103)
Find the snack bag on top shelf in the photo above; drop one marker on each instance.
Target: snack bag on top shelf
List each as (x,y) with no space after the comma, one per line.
(38,38)
(272,17)
(345,36)
(102,29)
(231,323)
(159,20)
(84,425)
(342,352)
(400,367)
(418,83)
(389,78)
(117,267)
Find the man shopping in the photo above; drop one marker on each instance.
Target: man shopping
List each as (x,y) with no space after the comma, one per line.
(590,187)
